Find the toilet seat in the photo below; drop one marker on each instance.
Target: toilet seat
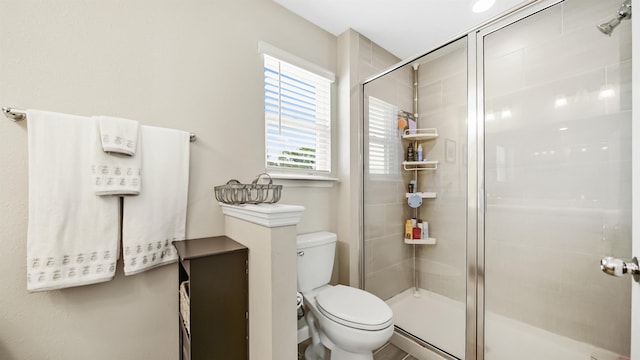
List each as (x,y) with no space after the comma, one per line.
(354,308)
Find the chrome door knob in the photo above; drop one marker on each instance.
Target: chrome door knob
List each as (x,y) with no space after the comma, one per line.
(618,267)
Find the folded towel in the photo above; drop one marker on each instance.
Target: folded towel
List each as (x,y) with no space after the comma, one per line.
(118,135)
(72,233)
(156,217)
(114,173)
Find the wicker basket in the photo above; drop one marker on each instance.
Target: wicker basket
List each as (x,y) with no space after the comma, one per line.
(184,306)
(235,193)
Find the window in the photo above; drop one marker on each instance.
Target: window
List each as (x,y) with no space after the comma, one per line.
(383,138)
(297,114)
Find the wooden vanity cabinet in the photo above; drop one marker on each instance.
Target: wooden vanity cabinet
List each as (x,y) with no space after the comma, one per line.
(216,311)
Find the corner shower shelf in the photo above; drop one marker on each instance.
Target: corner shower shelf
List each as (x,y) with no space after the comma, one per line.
(429,241)
(420,165)
(420,134)
(424,195)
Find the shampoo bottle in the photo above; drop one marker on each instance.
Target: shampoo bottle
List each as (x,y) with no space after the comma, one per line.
(420,152)
(410,152)
(408,230)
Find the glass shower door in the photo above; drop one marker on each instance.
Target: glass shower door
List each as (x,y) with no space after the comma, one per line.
(557,174)
(422,280)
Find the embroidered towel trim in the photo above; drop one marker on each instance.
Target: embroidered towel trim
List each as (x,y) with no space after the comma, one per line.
(115,173)
(118,135)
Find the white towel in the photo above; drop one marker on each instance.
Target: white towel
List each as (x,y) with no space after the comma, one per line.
(156,217)
(72,234)
(118,135)
(114,173)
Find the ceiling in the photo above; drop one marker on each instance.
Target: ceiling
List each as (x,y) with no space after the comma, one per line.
(406,28)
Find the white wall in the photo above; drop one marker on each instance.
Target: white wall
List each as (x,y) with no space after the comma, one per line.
(190,65)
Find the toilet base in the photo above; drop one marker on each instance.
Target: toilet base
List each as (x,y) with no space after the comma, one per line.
(339,354)
(314,352)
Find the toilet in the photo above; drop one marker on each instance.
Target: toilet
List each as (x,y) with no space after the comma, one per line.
(352,323)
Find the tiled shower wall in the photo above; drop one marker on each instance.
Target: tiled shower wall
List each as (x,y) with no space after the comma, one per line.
(442,95)
(389,265)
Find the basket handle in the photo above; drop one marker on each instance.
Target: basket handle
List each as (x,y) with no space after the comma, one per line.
(255,181)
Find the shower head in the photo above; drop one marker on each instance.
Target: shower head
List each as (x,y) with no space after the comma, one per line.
(623,13)
(607,28)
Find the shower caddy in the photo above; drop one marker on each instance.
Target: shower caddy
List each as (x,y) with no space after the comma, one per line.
(416,136)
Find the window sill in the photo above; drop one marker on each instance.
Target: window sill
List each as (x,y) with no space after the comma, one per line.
(303,180)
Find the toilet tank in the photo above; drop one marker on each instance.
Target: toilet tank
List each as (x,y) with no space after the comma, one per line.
(316,252)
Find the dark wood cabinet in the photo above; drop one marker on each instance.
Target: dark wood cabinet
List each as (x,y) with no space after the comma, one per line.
(216,311)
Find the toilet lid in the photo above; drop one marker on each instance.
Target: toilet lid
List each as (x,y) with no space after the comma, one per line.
(354,308)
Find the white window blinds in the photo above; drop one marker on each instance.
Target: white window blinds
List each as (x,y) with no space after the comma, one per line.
(297,112)
(383,138)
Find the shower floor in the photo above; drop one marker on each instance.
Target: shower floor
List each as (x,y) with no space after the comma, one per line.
(440,321)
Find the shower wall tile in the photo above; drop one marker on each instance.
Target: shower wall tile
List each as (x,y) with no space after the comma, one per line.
(394,219)
(443,105)
(445,119)
(619,75)
(388,251)
(430,98)
(383,192)
(546,276)
(531,31)
(506,73)
(454,90)
(443,63)
(590,50)
(365,47)
(581,100)
(381,58)
(375,226)
(390,281)
(394,88)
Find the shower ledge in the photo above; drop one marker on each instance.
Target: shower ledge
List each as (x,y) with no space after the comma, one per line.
(269,215)
(429,241)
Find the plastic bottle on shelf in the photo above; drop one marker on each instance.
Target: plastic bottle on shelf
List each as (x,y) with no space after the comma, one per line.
(410,152)
(408,230)
(421,227)
(417,233)
(419,152)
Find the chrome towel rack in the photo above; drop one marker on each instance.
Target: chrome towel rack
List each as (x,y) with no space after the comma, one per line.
(18,115)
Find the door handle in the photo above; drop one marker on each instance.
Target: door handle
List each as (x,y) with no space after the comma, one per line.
(618,267)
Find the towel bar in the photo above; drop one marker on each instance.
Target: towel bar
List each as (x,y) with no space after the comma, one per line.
(17,115)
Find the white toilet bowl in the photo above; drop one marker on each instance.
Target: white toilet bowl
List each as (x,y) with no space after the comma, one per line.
(352,323)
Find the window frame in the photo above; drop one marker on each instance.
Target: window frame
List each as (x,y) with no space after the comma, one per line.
(291,61)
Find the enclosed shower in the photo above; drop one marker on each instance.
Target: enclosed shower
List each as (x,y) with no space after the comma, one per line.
(523,186)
